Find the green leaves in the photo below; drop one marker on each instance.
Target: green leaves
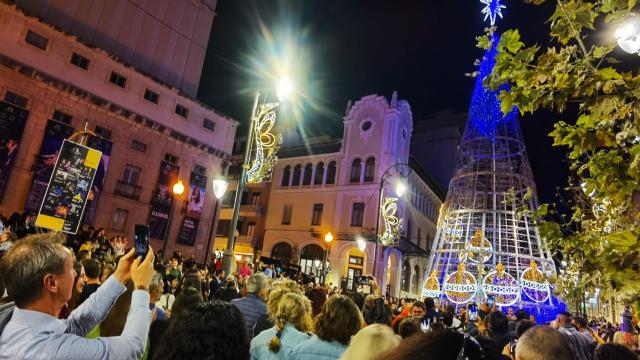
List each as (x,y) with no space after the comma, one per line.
(601,142)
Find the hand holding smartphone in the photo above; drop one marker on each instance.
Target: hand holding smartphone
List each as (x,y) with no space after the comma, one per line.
(141,240)
(473,312)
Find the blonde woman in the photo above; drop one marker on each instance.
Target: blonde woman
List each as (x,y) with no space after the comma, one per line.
(370,342)
(292,321)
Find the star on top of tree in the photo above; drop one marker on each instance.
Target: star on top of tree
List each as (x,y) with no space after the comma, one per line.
(492,9)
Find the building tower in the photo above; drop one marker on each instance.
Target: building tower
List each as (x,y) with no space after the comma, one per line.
(487,246)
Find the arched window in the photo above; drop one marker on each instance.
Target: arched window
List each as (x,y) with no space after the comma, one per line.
(311,260)
(369,169)
(282,252)
(356,169)
(331,173)
(416,279)
(319,174)
(286,174)
(306,179)
(296,175)
(406,276)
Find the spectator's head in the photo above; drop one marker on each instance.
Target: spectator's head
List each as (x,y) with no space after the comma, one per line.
(563,318)
(210,330)
(579,323)
(498,322)
(338,320)
(107,270)
(38,269)
(409,327)
(186,300)
(614,351)
(357,298)
(439,344)
(522,314)
(294,309)
(220,273)
(191,281)
(523,326)
(257,284)
(429,304)
(92,268)
(543,343)
(370,342)
(418,309)
(510,311)
(275,296)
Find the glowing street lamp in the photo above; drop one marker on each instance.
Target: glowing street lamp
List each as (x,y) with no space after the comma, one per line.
(220,187)
(401,188)
(178,188)
(362,243)
(328,238)
(284,89)
(627,34)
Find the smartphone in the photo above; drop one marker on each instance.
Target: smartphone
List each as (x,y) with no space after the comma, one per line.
(141,239)
(490,300)
(473,312)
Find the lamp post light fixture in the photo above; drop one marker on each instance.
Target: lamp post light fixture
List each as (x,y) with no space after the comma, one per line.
(262,121)
(220,187)
(627,34)
(177,189)
(389,206)
(362,243)
(328,238)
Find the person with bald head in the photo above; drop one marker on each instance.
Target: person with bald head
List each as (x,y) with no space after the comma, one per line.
(543,343)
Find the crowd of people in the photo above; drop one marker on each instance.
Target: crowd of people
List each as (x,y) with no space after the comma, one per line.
(90,297)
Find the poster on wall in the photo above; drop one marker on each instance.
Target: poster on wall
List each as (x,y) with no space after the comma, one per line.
(54,133)
(104,146)
(66,196)
(12,122)
(189,228)
(162,203)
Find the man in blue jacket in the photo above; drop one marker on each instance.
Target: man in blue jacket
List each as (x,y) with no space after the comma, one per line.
(253,307)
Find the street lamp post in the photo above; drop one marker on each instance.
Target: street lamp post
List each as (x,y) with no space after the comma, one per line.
(395,169)
(283,90)
(220,186)
(178,189)
(327,239)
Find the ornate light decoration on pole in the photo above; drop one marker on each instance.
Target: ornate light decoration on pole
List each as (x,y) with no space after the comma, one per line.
(266,143)
(392,224)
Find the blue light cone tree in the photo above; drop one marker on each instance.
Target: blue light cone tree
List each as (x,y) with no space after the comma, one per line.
(486,246)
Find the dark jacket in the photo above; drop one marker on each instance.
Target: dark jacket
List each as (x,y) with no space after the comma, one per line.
(503,338)
(252,308)
(379,313)
(262,324)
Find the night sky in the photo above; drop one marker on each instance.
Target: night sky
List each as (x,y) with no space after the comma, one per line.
(350,49)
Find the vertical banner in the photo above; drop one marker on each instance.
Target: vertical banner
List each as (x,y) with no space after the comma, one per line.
(54,133)
(66,195)
(163,200)
(189,228)
(12,122)
(104,146)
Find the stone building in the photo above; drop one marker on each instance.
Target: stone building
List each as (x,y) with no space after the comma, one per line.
(333,186)
(61,78)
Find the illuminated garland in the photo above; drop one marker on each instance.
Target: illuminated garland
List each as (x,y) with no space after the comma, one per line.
(432,286)
(392,224)
(460,286)
(266,143)
(501,286)
(533,283)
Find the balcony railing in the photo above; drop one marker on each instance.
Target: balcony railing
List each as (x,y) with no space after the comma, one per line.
(129,191)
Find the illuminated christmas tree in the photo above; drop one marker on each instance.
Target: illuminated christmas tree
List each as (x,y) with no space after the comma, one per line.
(487,246)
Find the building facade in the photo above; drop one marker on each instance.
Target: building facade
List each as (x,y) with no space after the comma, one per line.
(166,39)
(144,125)
(333,186)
